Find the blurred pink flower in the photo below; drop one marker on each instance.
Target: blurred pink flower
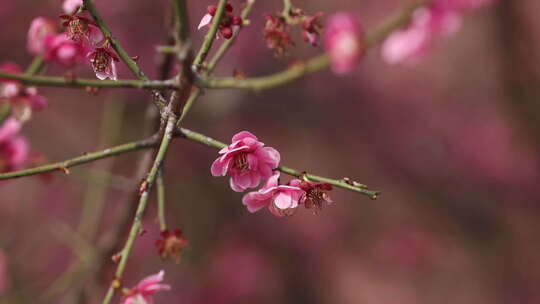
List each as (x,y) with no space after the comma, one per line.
(40,30)
(4,276)
(65,51)
(13,148)
(145,289)
(281,200)
(22,99)
(103,62)
(441,17)
(344,42)
(9,129)
(415,40)
(246,161)
(71,6)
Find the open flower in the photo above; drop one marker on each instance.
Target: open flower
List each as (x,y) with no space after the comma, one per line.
(80,28)
(344,42)
(281,200)
(246,161)
(145,289)
(103,62)
(40,30)
(172,244)
(63,50)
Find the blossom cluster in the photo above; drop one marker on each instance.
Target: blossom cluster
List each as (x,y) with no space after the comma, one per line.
(80,40)
(227,22)
(247,161)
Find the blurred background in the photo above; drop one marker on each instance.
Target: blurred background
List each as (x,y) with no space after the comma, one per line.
(451,140)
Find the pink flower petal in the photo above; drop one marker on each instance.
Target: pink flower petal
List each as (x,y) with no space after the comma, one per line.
(206,19)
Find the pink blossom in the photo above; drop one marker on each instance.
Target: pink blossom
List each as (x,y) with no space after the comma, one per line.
(65,51)
(442,17)
(344,42)
(414,41)
(246,161)
(71,6)
(206,19)
(103,62)
(40,30)
(145,289)
(9,129)
(281,200)
(22,99)
(13,148)
(80,28)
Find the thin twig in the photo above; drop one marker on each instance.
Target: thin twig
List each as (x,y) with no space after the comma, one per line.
(190,135)
(146,186)
(52,81)
(160,187)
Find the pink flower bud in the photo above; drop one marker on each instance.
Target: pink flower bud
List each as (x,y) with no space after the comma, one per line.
(344,42)
(40,29)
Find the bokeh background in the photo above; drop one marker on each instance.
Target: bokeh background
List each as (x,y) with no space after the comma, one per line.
(452,140)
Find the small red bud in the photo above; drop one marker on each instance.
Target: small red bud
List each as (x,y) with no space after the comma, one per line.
(236,20)
(226,32)
(211,9)
(228,8)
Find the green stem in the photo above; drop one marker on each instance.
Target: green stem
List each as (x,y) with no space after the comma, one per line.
(35,66)
(86,158)
(95,196)
(211,35)
(160,186)
(146,186)
(84,83)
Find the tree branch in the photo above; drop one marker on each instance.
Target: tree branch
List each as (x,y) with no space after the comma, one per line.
(83,83)
(315,64)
